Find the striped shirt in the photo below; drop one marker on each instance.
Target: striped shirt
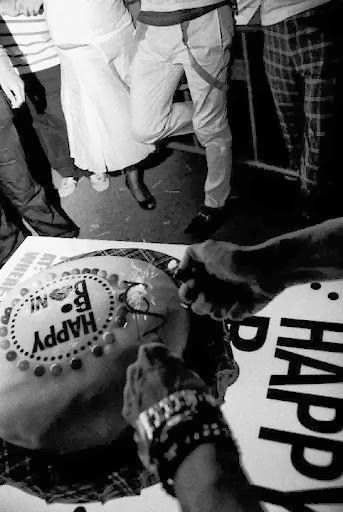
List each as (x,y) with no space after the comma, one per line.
(28,43)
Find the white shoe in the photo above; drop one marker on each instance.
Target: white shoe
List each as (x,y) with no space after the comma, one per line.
(100,182)
(67,186)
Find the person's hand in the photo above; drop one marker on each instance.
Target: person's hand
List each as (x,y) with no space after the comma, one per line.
(156,374)
(218,279)
(13,86)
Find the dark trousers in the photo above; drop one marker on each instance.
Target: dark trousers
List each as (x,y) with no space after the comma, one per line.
(301,56)
(20,196)
(44,111)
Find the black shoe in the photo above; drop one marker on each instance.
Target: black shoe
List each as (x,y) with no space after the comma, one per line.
(138,188)
(206,222)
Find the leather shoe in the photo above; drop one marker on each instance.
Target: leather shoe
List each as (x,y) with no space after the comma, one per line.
(138,188)
(205,222)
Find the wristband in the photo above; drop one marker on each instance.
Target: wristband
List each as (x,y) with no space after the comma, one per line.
(173,427)
(173,408)
(181,440)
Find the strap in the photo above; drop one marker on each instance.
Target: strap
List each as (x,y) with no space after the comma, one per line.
(211,80)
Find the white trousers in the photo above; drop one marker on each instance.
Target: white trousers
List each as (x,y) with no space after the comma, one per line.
(160,60)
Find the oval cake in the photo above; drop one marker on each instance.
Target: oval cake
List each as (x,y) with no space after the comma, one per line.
(67,336)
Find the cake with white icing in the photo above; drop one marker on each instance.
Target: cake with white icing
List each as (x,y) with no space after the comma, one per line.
(67,336)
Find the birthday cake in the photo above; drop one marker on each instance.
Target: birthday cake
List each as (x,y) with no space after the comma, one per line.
(67,336)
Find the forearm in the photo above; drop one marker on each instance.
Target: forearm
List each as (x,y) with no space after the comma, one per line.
(210,480)
(301,256)
(5,61)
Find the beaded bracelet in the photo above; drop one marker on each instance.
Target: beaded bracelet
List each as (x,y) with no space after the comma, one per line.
(173,427)
(179,441)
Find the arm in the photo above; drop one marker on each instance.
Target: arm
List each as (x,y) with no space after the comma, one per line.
(209,480)
(226,280)
(10,81)
(210,477)
(311,253)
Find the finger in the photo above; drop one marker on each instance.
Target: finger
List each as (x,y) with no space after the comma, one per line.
(200,306)
(10,95)
(17,92)
(238,312)
(188,258)
(152,355)
(183,293)
(189,291)
(217,312)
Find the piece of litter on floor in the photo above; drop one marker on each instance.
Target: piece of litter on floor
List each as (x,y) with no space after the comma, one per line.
(105,233)
(166,222)
(127,219)
(157,184)
(122,189)
(172,191)
(94,226)
(188,167)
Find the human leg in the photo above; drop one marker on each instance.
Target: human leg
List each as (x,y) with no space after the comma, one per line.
(10,236)
(16,184)
(43,91)
(154,80)
(208,41)
(286,89)
(317,59)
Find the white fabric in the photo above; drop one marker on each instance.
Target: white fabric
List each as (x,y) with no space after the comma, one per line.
(33,49)
(95,95)
(246,10)
(174,5)
(273,11)
(95,100)
(83,21)
(157,67)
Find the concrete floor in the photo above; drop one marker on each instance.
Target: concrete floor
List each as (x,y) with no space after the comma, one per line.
(176,179)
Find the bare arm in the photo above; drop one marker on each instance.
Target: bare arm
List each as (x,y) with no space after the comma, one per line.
(225,280)
(209,480)
(10,81)
(311,253)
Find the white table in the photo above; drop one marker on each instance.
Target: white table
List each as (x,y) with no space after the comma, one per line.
(286,425)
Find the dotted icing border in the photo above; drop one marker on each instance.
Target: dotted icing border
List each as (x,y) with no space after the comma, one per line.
(14,350)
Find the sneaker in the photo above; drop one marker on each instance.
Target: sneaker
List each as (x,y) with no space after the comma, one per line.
(67,186)
(100,182)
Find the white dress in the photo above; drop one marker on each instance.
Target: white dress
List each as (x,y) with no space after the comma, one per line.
(95,77)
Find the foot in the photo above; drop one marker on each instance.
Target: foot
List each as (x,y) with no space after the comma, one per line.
(139,190)
(100,182)
(67,186)
(206,222)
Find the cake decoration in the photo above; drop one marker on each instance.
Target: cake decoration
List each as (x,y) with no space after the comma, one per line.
(68,333)
(47,406)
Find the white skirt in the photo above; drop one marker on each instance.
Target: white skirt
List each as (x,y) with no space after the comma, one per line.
(96,104)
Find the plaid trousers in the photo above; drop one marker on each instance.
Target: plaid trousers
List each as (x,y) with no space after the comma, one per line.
(301,56)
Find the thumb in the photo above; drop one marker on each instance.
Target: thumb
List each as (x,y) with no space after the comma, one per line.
(10,94)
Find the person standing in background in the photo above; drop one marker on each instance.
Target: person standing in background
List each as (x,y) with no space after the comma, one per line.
(301,56)
(21,198)
(94,54)
(192,37)
(24,35)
